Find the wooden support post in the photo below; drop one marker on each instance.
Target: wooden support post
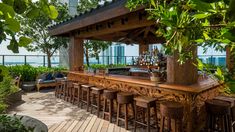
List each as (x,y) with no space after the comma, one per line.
(230,59)
(184,74)
(76,53)
(143,47)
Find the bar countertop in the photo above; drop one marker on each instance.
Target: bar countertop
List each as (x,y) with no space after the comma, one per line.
(202,85)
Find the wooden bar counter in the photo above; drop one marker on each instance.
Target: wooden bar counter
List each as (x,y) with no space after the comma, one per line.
(192,96)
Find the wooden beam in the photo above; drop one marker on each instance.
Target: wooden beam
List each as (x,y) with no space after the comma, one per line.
(92,19)
(76,53)
(132,22)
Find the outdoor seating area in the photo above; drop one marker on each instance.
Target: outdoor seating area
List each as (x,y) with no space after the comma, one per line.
(117,66)
(135,111)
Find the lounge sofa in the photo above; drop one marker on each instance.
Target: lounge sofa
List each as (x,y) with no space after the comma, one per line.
(49,79)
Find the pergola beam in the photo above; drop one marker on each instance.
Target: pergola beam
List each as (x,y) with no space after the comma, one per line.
(128,22)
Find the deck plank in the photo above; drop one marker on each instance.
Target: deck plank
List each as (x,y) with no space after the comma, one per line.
(105,126)
(60,126)
(96,125)
(79,124)
(72,126)
(111,127)
(91,123)
(100,126)
(68,124)
(116,128)
(85,124)
(53,127)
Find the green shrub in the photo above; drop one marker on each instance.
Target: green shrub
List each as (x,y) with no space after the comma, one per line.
(7,87)
(30,73)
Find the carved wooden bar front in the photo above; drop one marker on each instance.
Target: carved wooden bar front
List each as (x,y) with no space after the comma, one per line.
(192,97)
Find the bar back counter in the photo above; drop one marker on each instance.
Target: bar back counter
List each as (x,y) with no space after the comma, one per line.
(191,96)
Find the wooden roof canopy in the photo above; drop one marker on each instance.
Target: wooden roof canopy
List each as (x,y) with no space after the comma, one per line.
(111,21)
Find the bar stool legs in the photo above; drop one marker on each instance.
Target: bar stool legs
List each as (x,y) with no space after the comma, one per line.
(171,111)
(86,88)
(124,99)
(96,97)
(109,95)
(146,103)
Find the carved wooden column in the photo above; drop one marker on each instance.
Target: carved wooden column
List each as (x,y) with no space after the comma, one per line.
(143,47)
(76,53)
(185,74)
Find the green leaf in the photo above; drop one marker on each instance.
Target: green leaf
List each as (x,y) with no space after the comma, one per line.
(201,16)
(53,12)
(33,13)
(206,36)
(153,3)
(8,2)
(20,6)
(219,74)
(13,46)
(201,6)
(199,40)
(7,10)
(13,24)
(24,41)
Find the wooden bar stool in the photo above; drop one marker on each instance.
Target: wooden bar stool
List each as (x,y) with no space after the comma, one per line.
(171,111)
(124,99)
(218,116)
(96,98)
(76,92)
(64,89)
(109,96)
(69,90)
(58,89)
(146,103)
(86,89)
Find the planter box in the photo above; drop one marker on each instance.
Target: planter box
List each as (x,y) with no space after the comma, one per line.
(14,98)
(28,86)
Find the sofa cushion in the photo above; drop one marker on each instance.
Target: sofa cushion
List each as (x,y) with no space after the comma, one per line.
(58,75)
(49,76)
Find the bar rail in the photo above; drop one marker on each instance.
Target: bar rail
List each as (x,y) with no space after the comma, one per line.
(41,60)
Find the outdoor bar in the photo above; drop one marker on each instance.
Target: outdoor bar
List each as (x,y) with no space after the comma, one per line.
(114,22)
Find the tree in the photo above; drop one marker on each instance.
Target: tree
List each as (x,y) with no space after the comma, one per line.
(36,29)
(92,47)
(189,23)
(10,27)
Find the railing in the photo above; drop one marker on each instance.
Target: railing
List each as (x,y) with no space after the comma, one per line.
(34,60)
(41,60)
(219,60)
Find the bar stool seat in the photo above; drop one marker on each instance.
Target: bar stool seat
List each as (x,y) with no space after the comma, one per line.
(109,96)
(96,98)
(218,116)
(85,88)
(124,99)
(171,111)
(146,103)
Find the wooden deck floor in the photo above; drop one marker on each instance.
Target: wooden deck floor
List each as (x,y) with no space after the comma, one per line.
(87,124)
(61,116)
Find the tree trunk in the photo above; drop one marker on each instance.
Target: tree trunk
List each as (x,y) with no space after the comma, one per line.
(48,61)
(87,57)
